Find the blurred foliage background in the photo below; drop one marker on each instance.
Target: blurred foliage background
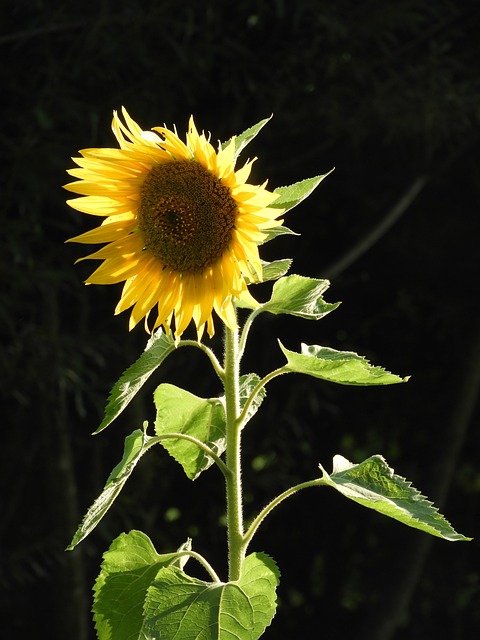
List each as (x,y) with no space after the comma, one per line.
(389,94)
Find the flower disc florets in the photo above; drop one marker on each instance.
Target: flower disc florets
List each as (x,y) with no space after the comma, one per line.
(186,215)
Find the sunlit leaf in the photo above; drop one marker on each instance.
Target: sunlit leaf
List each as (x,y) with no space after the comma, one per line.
(247,385)
(158,348)
(128,569)
(343,367)
(278,231)
(299,296)
(374,484)
(178,606)
(179,411)
(276,269)
(135,447)
(270,271)
(289,197)
(244,138)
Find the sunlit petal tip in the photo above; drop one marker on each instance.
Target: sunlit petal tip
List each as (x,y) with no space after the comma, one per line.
(131,323)
(192,129)
(200,331)
(145,324)
(210,327)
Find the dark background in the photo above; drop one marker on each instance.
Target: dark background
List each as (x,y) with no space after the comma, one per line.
(389,94)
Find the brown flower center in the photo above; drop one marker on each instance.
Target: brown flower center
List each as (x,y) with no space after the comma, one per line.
(187,215)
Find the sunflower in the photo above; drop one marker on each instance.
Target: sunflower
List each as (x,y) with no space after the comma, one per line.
(181,225)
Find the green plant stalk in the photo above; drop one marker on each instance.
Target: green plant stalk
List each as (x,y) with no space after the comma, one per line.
(259,386)
(201,560)
(184,436)
(274,503)
(236,546)
(213,359)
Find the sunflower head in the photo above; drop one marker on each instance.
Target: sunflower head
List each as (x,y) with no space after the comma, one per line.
(181,225)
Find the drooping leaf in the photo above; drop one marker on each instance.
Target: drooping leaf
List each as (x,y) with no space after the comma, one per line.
(158,348)
(178,606)
(246,136)
(289,197)
(179,411)
(373,484)
(342,367)
(128,569)
(299,296)
(134,448)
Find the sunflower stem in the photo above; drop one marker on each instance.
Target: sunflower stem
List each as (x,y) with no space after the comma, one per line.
(246,329)
(236,545)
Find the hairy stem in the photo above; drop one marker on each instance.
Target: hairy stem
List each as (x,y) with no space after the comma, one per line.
(236,551)
(258,387)
(183,436)
(201,560)
(246,329)
(213,359)
(274,503)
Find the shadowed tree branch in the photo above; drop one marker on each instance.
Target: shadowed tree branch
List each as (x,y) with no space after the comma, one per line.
(374,235)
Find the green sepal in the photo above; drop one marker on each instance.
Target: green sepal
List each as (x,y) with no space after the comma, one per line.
(299,296)
(342,367)
(244,138)
(135,446)
(289,197)
(158,348)
(373,484)
(128,569)
(179,411)
(179,606)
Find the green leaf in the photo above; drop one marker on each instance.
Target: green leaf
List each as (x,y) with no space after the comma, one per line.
(299,296)
(179,411)
(276,269)
(158,348)
(128,569)
(247,136)
(259,580)
(276,232)
(135,447)
(247,385)
(270,271)
(182,560)
(342,367)
(374,484)
(289,197)
(178,606)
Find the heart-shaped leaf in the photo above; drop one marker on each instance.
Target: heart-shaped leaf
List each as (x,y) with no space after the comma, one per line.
(178,606)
